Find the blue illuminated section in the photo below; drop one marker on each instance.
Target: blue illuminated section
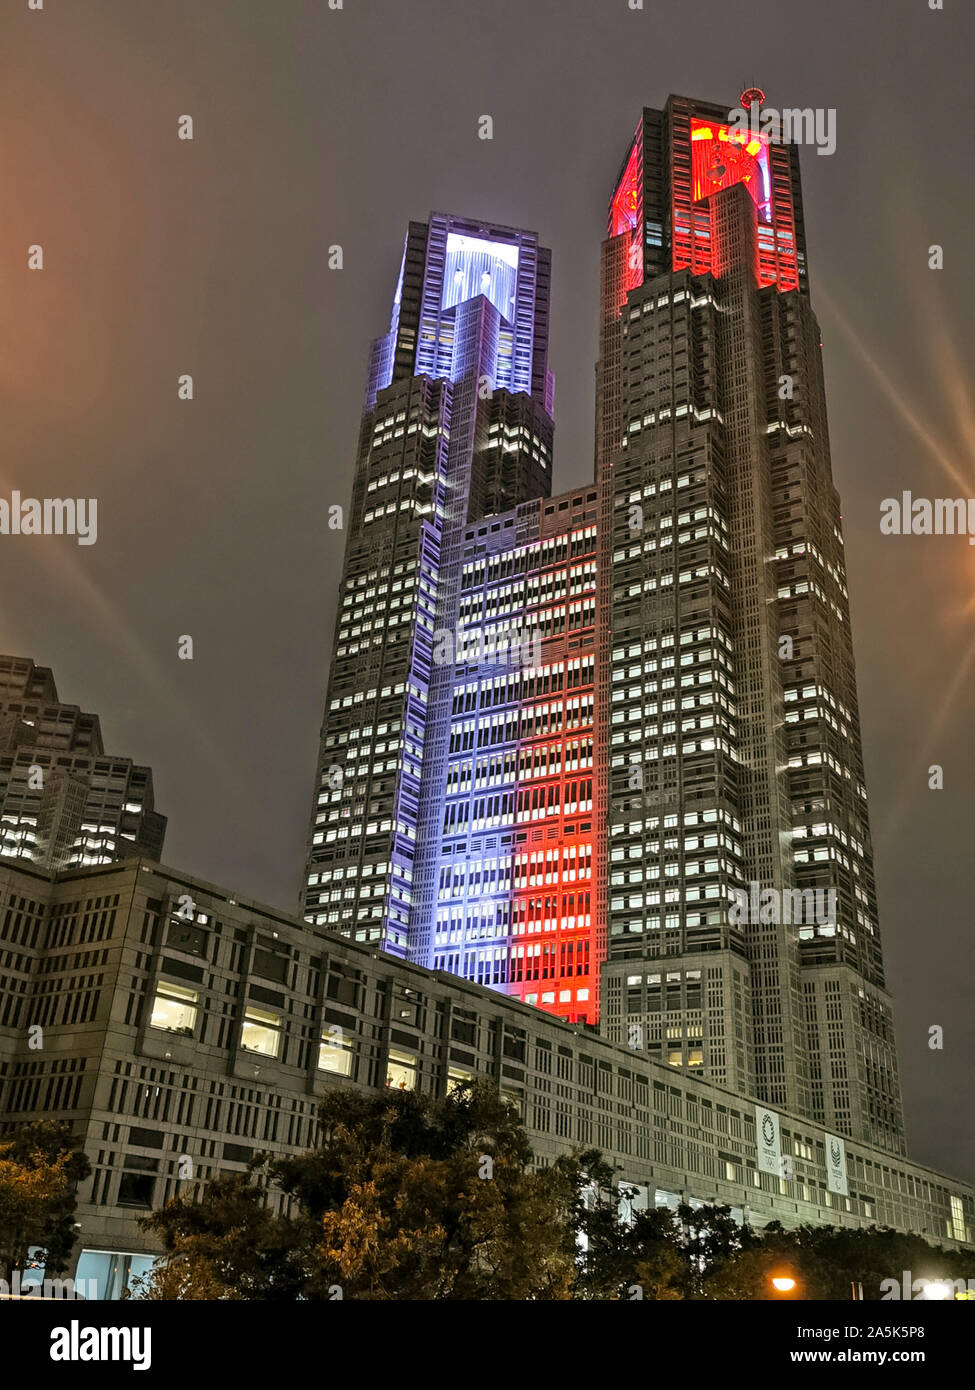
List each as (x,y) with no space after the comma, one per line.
(475,269)
(473,923)
(384,349)
(466,263)
(398,296)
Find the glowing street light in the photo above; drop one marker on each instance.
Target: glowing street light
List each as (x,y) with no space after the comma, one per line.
(938,1290)
(784,1284)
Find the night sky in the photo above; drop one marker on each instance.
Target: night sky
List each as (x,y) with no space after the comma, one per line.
(315,127)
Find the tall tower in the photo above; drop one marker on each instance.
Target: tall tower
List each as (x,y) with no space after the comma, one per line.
(457,425)
(726,692)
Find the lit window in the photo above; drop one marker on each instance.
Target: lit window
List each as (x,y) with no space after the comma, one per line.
(261,1032)
(335,1053)
(401,1071)
(456,1076)
(174,1008)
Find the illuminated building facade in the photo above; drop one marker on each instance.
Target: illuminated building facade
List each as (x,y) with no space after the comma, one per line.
(457,426)
(564,740)
(64,802)
(459,825)
(454,809)
(726,702)
(515,907)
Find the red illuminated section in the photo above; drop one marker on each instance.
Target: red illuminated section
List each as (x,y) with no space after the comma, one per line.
(626,217)
(625,207)
(555,955)
(722,156)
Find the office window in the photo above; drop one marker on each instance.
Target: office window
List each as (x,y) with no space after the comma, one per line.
(335,1053)
(261,1032)
(136,1190)
(401,1070)
(456,1076)
(174,1008)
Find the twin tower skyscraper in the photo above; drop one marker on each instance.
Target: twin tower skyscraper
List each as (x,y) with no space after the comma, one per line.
(601,751)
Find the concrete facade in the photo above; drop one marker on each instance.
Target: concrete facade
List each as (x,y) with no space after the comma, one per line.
(257,1014)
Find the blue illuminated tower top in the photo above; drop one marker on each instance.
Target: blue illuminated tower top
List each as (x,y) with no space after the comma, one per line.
(447,263)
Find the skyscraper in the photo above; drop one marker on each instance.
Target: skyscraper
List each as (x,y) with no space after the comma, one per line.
(65,802)
(743,935)
(457,426)
(649,753)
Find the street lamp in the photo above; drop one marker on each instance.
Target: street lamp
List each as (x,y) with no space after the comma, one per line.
(784,1284)
(938,1290)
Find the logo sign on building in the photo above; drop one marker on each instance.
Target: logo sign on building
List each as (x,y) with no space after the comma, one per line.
(767,1141)
(836,1165)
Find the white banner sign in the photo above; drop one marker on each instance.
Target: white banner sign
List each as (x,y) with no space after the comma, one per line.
(836,1165)
(767,1141)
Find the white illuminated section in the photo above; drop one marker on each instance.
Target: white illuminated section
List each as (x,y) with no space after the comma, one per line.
(473,266)
(457,244)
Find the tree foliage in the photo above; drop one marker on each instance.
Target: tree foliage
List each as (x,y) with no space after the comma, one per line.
(411,1197)
(40,1168)
(405,1197)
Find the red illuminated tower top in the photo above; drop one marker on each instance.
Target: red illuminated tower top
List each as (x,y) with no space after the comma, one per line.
(682,155)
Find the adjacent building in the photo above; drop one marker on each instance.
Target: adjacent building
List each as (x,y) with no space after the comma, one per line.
(743,937)
(181,1029)
(64,801)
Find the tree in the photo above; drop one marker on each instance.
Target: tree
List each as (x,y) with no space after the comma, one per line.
(838,1256)
(617,1255)
(825,1261)
(745,1274)
(40,1167)
(404,1197)
(429,1199)
(660,1267)
(224,1243)
(412,1198)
